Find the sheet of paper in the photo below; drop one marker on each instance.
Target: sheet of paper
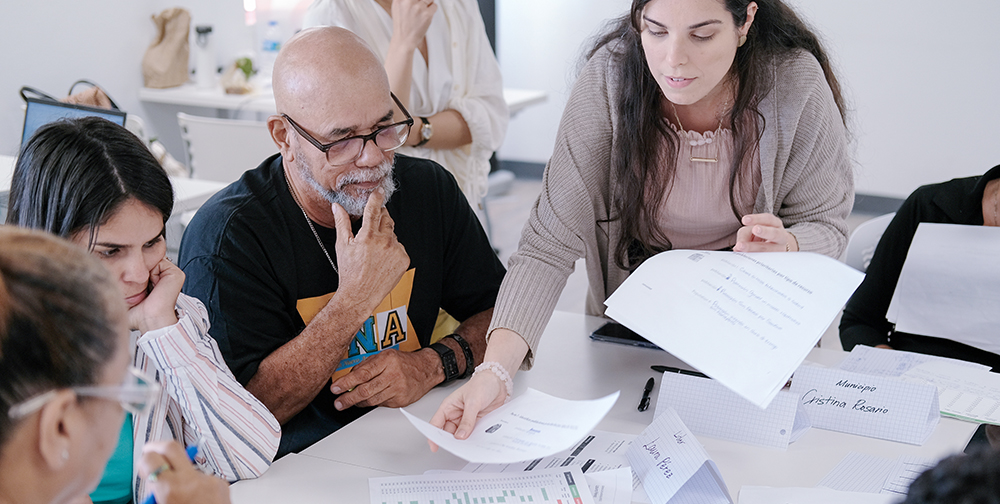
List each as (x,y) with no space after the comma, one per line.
(565,484)
(746,320)
(599,451)
(875,406)
(888,362)
(964,393)
(611,487)
(709,409)
(673,466)
(859,472)
(819,495)
(906,469)
(531,426)
(947,287)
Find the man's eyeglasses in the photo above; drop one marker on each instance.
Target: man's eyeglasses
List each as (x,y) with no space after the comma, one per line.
(136,394)
(347,150)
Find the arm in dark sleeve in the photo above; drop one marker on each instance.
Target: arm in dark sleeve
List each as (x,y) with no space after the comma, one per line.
(248,315)
(864,321)
(472,270)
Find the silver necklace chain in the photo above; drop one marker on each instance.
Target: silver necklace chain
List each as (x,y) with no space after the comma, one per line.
(295,198)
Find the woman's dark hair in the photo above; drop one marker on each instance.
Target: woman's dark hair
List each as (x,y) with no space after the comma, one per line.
(73,174)
(61,315)
(640,126)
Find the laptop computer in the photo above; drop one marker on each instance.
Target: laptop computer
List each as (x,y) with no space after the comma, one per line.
(40,112)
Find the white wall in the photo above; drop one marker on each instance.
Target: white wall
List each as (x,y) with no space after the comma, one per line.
(921,76)
(50,44)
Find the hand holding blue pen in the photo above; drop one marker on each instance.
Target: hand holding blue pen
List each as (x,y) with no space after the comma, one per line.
(171,474)
(192,452)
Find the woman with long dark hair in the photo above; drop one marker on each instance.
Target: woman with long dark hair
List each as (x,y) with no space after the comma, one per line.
(94,183)
(695,124)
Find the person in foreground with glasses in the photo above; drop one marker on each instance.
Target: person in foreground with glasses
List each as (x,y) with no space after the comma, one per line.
(332,259)
(94,183)
(65,379)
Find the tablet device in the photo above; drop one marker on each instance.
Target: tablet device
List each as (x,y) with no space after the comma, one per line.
(40,112)
(613,332)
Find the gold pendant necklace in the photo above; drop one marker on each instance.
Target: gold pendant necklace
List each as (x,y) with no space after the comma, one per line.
(696,159)
(295,198)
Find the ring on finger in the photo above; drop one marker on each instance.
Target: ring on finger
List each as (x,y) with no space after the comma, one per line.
(155,475)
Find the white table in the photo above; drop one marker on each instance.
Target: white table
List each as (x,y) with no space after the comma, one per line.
(569,365)
(263,101)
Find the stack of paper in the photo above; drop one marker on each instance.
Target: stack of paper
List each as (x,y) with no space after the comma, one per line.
(947,287)
(746,320)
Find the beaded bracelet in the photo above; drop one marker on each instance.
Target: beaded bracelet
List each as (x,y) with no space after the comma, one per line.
(497,369)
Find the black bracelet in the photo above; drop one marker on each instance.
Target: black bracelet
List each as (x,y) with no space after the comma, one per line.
(470,363)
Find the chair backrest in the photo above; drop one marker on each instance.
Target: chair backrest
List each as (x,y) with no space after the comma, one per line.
(864,239)
(222,149)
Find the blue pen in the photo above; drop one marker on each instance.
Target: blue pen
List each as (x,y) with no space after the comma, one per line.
(192,452)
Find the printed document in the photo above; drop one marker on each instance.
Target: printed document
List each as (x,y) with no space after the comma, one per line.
(599,452)
(531,426)
(948,285)
(746,320)
(818,495)
(552,485)
(889,362)
(965,393)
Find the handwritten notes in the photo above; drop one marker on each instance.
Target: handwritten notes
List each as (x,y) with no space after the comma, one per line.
(746,320)
(710,409)
(532,425)
(673,466)
(874,406)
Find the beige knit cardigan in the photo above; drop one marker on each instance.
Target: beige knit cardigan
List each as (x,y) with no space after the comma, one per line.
(807,181)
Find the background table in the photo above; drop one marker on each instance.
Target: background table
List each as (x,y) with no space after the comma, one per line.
(568,365)
(263,102)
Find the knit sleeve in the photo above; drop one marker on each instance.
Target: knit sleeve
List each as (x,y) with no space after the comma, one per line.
(564,216)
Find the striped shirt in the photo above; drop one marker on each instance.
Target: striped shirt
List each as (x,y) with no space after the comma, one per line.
(200,399)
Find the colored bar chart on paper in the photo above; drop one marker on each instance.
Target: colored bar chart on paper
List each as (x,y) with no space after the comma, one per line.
(565,485)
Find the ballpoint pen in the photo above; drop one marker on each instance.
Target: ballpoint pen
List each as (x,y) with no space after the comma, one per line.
(644,402)
(668,369)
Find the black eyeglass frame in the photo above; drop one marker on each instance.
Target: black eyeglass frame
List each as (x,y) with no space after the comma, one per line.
(325,148)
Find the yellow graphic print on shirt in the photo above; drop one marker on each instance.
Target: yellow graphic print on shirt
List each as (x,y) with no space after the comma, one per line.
(387,327)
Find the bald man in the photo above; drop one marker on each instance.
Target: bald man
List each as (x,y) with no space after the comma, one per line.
(324,268)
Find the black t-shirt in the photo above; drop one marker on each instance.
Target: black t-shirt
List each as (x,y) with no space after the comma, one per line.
(250,257)
(958,201)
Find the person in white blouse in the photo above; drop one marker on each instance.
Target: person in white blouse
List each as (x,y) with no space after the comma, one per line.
(442,69)
(96,184)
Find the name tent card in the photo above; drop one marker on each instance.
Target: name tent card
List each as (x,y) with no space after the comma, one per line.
(673,466)
(874,406)
(710,409)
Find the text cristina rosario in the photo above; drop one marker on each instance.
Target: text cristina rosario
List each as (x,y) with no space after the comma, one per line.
(813,397)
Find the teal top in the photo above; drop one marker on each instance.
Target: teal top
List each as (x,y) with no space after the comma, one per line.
(116,483)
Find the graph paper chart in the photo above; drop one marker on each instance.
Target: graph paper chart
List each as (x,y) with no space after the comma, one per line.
(554,486)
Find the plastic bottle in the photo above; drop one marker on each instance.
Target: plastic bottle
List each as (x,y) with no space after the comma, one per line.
(270,45)
(205,72)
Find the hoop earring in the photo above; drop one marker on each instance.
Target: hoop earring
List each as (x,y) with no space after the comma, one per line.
(743,40)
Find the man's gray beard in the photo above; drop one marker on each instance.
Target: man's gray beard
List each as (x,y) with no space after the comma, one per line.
(355,205)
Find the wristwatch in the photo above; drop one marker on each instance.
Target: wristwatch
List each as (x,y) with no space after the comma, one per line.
(426,131)
(448,361)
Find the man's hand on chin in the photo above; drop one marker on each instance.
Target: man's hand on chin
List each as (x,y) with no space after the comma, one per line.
(390,378)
